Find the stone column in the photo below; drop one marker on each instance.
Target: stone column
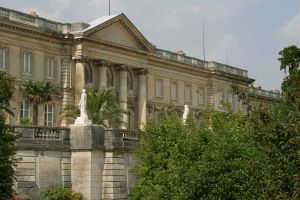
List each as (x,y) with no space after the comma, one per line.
(80,61)
(142,98)
(103,65)
(123,92)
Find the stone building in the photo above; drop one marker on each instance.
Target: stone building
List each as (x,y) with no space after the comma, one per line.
(110,52)
(107,52)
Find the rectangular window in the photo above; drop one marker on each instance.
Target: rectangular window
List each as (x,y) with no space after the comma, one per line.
(27,62)
(220,98)
(48,118)
(3,57)
(230,98)
(200,96)
(187,93)
(24,110)
(158,87)
(173,90)
(50,67)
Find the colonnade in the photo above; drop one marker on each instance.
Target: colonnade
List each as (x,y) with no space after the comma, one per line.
(123,69)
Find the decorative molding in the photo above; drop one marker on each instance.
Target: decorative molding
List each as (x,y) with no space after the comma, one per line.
(123,67)
(80,58)
(142,71)
(102,63)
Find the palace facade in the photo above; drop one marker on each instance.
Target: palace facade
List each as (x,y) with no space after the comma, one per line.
(111,52)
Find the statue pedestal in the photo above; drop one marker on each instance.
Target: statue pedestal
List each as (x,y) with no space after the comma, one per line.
(82,121)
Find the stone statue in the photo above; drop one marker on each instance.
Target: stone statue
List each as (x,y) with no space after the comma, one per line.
(83,119)
(82,104)
(185,113)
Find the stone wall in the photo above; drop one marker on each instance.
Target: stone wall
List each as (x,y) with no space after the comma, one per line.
(89,159)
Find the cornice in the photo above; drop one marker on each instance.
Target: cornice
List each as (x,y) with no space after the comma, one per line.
(33,32)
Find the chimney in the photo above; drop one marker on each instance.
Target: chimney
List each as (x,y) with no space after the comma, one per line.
(180,52)
(33,13)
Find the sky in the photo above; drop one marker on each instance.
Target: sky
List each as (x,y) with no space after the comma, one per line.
(247,34)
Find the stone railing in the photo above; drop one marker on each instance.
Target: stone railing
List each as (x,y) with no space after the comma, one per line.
(227,69)
(42,137)
(34,20)
(201,63)
(120,139)
(265,93)
(180,58)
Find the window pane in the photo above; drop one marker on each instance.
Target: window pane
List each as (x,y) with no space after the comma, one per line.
(50,62)
(187,93)
(220,98)
(48,116)
(2,58)
(201,96)
(24,110)
(173,90)
(158,86)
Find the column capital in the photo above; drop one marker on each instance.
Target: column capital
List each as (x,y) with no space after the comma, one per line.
(102,63)
(142,71)
(122,67)
(80,58)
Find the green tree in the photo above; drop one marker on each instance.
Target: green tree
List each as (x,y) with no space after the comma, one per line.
(8,161)
(102,108)
(216,161)
(37,92)
(278,131)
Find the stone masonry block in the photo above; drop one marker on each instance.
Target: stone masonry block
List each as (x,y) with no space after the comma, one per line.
(109,172)
(26,178)
(114,166)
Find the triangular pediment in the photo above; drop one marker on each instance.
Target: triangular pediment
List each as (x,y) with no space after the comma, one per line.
(118,30)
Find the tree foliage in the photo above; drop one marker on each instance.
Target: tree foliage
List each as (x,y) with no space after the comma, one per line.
(278,131)
(216,161)
(255,156)
(37,92)
(7,139)
(102,108)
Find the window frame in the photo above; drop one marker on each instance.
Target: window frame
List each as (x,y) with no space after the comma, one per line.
(23,110)
(4,57)
(49,76)
(188,93)
(28,68)
(47,121)
(219,101)
(203,96)
(161,88)
(174,98)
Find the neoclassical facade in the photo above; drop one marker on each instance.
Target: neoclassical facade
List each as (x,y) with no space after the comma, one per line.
(111,52)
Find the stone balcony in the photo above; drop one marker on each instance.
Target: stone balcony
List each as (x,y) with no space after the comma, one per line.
(41,137)
(201,63)
(59,138)
(265,94)
(36,21)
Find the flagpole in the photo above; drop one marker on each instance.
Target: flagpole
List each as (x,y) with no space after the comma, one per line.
(108,7)
(203,42)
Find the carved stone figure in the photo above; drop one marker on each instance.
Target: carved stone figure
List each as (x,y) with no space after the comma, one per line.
(185,113)
(83,118)
(82,104)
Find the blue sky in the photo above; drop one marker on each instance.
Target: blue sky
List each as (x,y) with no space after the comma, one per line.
(245,33)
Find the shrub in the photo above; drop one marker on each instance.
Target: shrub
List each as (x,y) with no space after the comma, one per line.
(61,193)
(25,121)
